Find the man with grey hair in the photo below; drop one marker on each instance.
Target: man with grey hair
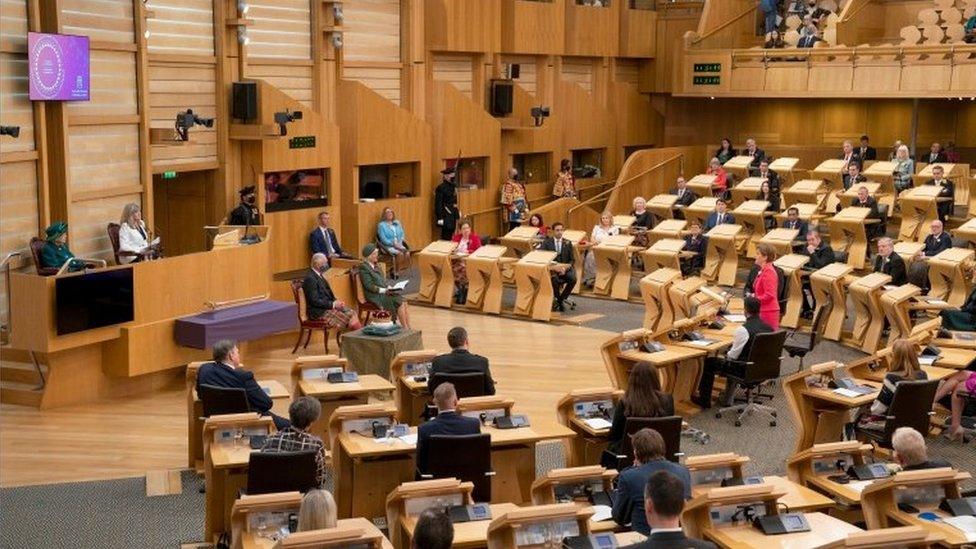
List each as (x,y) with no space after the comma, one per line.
(447,422)
(936,242)
(303,412)
(321,303)
(227,371)
(910,452)
(890,263)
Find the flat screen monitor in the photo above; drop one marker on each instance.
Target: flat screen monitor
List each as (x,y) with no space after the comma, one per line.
(93,300)
(59,67)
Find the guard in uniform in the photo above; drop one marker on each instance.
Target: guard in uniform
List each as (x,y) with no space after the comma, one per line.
(446,211)
(246,213)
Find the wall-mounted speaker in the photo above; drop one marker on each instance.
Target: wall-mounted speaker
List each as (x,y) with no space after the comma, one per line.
(502,92)
(244,105)
(514,71)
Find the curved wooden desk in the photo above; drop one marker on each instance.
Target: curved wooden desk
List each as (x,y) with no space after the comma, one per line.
(808,191)
(700,210)
(881,172)
(828,291)
(485,278)
(848,233)
(702,184)
(669,228)
(781,240)
(919,208)
(613,266)
(581,405)
(655,290)
(746,190)
(866,292)
(792,265)
(436,275)
(663,254)
(831,173)
(738,166)
(534,287)
(948,275)
(662,206)
(722,258)
(751,214)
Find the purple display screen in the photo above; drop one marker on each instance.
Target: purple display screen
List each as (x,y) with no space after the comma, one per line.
(59,67)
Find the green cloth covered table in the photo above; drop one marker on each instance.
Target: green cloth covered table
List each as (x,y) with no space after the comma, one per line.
(372,355)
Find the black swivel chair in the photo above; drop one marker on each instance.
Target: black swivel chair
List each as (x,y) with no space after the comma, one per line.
(469,384)
(910,407)
(464,457)
(799,344)
(273,472)
(668,427)
(761,366)
(223,400)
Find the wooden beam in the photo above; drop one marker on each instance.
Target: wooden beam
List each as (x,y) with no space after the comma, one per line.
(372,65)
(178,59)
(102,119)
(97,194)
(18,156)
(184,167)
(103,45)
(140,24)
(251,60)
(9,46)
(40,136)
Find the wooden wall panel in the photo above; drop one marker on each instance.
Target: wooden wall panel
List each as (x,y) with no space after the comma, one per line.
(627,71)
(15,107)
(87,222)
(103,157)
(175,87)
(296,81)
(371,31)
(578,70)
(18,216)
(107,20)
(13,22)
(282,29)
(528,71)
(455,69)
(181,27)
(384,81)
(113,85)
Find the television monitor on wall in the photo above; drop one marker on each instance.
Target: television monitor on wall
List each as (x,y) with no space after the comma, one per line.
(296,189)
(58,67)
(93,300)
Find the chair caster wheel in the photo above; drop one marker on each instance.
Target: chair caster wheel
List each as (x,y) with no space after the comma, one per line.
(718,415)
(772,424)
(738,423)
(773,414)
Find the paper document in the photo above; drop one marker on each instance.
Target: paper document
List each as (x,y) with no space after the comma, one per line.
(936,302)
(409,439)
(154,241)
(597,423)
(734,318)
(847,393)
(702,342)
(400,285)
(965,523)
(858,485)
(927,360)
(604,512)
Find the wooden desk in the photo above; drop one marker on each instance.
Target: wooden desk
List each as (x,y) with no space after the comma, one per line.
(809,191)
(881,172)
(411,396)
(700,209)
(739,166)
(521,240)
(680,369)
(662,206)
(819,414)
(485,279)
(580,246)
(831,172)
(959,174)
(682,293)
(895,303)
(654,288)
(848,234)
(797,497)
(919,208)
(967,230)
(751,214)
(908,252)
(823,529)
(371,468)
(948,276)
(334,395)
(784,166)
(866,292)
(668,228)
(663,254)
(702,184)
(747,189)
(357,529)
(781,240)
(792,266)
(466,534)
(572,410)
(850,194)
(722,258)
(812,467)
(613,266)
(534,287)
(436,275)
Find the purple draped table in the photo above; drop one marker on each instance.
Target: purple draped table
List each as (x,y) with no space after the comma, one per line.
(241,323)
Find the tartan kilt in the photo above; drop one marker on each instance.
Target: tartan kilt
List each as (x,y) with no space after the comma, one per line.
(338,318)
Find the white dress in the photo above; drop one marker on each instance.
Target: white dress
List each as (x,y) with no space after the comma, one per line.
(131,240)
(597,235)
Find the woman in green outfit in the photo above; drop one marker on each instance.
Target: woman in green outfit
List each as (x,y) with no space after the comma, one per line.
(55,252)
(376,287)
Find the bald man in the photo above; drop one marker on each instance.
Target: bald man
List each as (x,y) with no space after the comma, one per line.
(936,242)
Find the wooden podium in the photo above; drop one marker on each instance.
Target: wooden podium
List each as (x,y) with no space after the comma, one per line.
(521,240)
(485,279)
(411,396)
(792,265)
(848,233)
(702,184)
(868,317)
(948,275)
(407,501)
(882,172)
(436,275)
(896,303)
(682,293)
(700,210)
(831,172)
(967,230)
(781,240)
(807,191)
(576,237)
(722,259)
(751,214)
(655,287)
(534,287)
(828,291)
(662,206)
(960,176)
(784,166)
(669,228)
(919,208)
(747,189)
(538,526)
(738,166)
(613,266)
(663,254)
(575,409)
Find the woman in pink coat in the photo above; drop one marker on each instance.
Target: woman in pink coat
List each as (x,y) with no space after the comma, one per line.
(766,286)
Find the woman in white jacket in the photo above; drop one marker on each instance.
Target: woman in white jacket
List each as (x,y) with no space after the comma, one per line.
(133,236)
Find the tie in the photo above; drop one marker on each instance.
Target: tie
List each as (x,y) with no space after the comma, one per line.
(721,218)
(559,246)
(680,192)
(328,242)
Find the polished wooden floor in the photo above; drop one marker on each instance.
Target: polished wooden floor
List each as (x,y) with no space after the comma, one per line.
(534,363)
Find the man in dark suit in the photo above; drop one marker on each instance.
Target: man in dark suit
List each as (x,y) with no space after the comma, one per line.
(322,240)
(225,371)
(821,255)
(684,194)
(719,216)
(793,221)
(695,242)
(769,175)
(947,190)
(853,175)
(649,458)
(246,213)
(663,504)
(742,339)
(936,154)
(564,276)
(460,361)
(850,155)
(446,212)
(867,152)
(865,200)
(321,303)
(447,422)
(890,263)
(936,242)
(757,154)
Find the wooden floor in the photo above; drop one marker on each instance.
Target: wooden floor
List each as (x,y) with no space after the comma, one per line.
(534,363)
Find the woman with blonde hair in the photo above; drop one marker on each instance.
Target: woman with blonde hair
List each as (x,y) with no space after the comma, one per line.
(904,168)
(133,236)
(902,367)
(600,232)
(317,512)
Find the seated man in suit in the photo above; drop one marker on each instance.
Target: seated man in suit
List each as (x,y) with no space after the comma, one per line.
(649,458)
(719,216)
(821,255)
(853,175)
(769,175)
(890,263)
(947,190)
(302,412)
(742,339)
(460,361)
(434,530)
(695,242)
(685,197)
(867,152)
(936,154)
(910,452)
(849,155)
(226,371)
(865,200)
(936,242)
(757,154)
(664,501)
(793,221)
(564,275)
(447,422)
(321,303)
(322,240)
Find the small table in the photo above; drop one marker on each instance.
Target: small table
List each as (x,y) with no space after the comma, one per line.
(373,354)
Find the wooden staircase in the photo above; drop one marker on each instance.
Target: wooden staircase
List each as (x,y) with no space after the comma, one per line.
(21,383)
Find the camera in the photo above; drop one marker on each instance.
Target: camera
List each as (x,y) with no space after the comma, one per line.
(12,131)
(188,119)
(539,114)
(283,118)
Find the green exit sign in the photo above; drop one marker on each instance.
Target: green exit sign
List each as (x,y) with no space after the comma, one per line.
(708,67)
(169,175)
(302,142)
(705,81)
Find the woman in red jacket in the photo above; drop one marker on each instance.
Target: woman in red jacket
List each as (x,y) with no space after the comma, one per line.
(467,243)
(766,286)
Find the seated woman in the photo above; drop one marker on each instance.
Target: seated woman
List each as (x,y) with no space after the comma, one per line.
(962,319)
(725,151)
(643,398)
(600,232)
(904,367)
(317,512)
(643,219)
(956,385)
(133,236)
(904,168)
(56,253)
(377,288)
(535,220)
(772,197)
(721,177)
(467,243)
(390,233)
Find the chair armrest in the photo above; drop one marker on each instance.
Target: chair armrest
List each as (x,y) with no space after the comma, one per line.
(426,477)
(490,473)
(739,362)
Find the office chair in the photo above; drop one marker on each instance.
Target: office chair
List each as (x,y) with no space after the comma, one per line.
(799,344)
(469,384)
(223,400)
(464,457)
(273,472)
(910,407)
(668,427)
(760,367)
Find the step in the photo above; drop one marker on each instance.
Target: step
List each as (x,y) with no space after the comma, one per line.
(21,394)
(19,372)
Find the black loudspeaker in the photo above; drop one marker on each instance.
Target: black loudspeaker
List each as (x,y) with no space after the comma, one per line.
(245,101)
(515,71)
(501,97)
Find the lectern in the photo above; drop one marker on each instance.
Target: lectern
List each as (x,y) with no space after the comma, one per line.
(828,291)
(948,275)
(669,228)
(792,265)
(809,191)
(781,240)
(747,189)
(658,311)
(613,266)
(868,316)
(663,254)
(919,208)
(534,287)
(485,279)
(882,172)
(848,233)
(751,214)
(722,258)
(662,206)
(588,412)
(700,209)
(521,240)
(738,166)
(831,172)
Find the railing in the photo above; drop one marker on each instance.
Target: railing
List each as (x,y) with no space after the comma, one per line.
(618,196)
(908,53)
